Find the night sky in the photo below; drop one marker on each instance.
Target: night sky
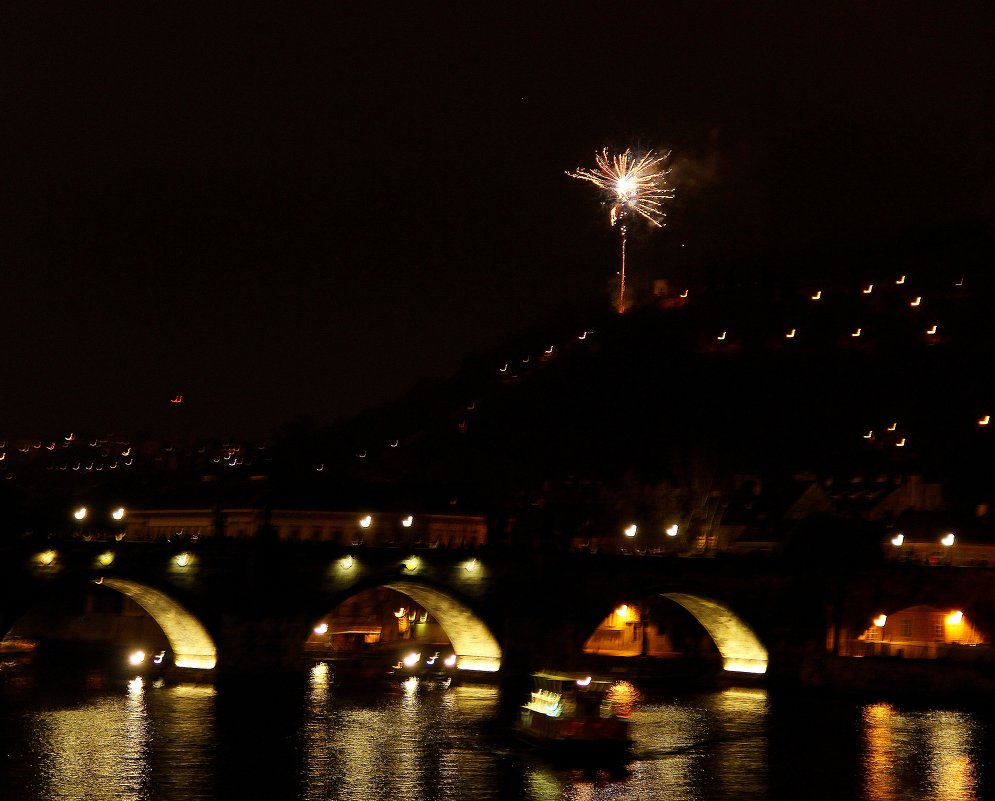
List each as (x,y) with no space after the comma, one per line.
(307,211)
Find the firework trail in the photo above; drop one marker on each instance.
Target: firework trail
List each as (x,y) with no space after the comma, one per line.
(635,184)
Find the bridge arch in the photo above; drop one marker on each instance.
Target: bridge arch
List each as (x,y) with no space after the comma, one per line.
(474,645)
(738,644)
(189,641)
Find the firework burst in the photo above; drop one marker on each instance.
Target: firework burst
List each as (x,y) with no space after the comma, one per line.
(634,184)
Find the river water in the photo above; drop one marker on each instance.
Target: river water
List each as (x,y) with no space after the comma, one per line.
(102,739)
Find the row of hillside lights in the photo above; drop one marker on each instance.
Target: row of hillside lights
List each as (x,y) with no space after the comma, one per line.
(947,540)
(367,521)
(82,512)
(671,531)
(953,619)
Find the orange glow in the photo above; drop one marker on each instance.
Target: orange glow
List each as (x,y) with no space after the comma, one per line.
(623,612)
(870,288)
(817,295)
(916,302)
(900,443)
(790,334)
(955,618)
(897,540)
(880,620)
(684,294)
(900,280)
(721,336)
(931,331)
(630,531)
(856,333)
(985,420)
(948,539)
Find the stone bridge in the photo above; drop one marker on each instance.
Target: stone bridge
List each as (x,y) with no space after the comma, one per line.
(237,607)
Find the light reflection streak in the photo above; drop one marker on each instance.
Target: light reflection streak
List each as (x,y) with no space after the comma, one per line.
(96,752)
(926,754)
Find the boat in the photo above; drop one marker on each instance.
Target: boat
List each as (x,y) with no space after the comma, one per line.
(574,712)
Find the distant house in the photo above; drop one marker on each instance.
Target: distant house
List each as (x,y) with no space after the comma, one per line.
(917,632)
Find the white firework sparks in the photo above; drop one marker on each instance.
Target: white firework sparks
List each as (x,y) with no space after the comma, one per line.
(636,184)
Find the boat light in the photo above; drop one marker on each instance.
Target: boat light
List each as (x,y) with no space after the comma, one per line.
(411,659)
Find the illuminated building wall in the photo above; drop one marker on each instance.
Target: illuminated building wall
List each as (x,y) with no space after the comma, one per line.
(339,527)
(917,632)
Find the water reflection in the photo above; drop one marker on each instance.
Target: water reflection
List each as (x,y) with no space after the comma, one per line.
(102,749)
(113,741)
(406,741)
(925,753)
(97,752)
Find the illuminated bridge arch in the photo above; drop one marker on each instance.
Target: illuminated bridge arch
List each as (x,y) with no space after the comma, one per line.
(473,643)
(189,641)
(739,646)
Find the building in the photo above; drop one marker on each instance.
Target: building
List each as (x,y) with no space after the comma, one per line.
(347,528)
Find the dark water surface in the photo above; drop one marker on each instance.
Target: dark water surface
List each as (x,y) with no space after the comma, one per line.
(111,740)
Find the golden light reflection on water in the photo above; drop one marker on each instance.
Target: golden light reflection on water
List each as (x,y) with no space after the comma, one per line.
(96,752)
(131,742)
(403,743)
(928,754)
(141,742)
